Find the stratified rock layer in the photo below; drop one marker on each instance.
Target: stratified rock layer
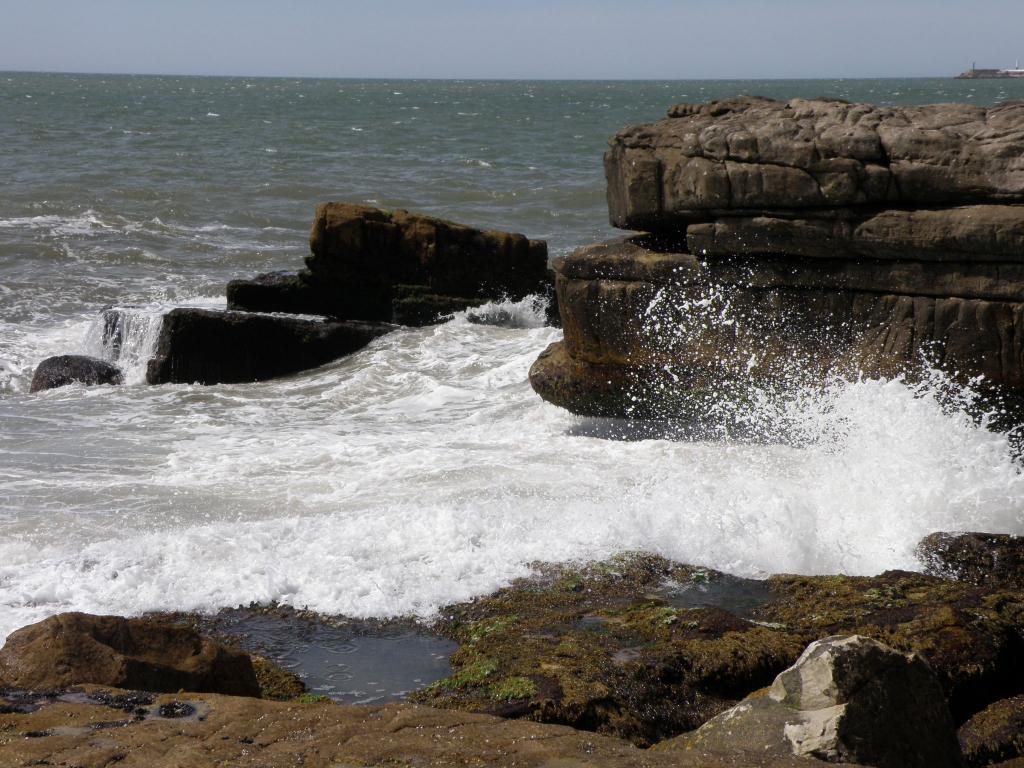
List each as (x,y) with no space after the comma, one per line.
(373,264)
(791,242)
(809,157)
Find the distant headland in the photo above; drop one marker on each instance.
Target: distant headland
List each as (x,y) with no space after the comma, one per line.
(980,74)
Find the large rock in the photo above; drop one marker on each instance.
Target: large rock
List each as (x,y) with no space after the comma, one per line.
(373,264)
(60,371)
(753,154)
(847,699)
(654,331)
(793,242)
(211,347)
(76,648)
(989,559)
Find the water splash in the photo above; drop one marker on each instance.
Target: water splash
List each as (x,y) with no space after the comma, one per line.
(126,337)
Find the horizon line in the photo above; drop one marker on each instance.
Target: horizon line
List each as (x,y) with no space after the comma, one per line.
(407,78)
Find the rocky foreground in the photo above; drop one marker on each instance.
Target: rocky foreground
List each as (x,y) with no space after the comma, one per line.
(632,661)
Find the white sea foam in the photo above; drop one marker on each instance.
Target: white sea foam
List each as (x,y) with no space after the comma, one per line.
(423,470)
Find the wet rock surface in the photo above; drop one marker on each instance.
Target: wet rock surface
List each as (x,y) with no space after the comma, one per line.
(62,370)
(846,698)
(212,347)
(606,648)
(990,559)
(75,648)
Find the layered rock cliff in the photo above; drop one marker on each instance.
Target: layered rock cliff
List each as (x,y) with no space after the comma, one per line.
(796,240)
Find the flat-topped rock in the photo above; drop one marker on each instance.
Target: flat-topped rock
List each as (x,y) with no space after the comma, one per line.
(379,265)
(202,346)
(752,153)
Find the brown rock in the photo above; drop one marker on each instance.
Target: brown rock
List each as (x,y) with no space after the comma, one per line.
(995,734)
(360,254)
(665,317)
(266,734)
(752,153)
(75,648)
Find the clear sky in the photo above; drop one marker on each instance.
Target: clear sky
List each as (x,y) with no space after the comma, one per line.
(514,38)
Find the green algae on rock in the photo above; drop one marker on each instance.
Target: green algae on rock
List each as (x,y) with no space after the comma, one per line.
(601,647)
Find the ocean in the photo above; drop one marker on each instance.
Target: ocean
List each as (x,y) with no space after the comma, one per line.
(422,470)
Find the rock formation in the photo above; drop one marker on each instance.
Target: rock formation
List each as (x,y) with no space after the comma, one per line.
(986,559)
(847,699)
(212,347)
(372,264)
(800,238)
(76,648)
(70,369)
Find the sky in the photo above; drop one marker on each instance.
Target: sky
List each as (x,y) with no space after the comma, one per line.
(598,39)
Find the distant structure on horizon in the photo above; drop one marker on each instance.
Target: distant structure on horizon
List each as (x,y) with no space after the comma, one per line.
(975,74)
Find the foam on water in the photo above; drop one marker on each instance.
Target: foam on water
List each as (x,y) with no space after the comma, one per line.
(423,470)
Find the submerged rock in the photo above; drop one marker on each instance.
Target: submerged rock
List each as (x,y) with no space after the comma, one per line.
(989,559)
(211,347)
(76,648)
(60,371)
(846,699)
(395,266)
(995,734)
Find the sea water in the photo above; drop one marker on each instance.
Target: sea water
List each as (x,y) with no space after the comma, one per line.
(422,470)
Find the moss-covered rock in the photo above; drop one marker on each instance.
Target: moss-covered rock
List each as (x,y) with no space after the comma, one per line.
(994,734)
(601,648)
(610,647)
(973,637)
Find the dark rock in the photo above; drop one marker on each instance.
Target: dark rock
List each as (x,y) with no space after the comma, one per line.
(76,648)
(847,699)
(69,369)
(650,332)
(395,266)
(210,347)
(988,559)
(414,305)
(995,734)
(276,292)
(360,254)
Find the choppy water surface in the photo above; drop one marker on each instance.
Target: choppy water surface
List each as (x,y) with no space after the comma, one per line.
(422,470)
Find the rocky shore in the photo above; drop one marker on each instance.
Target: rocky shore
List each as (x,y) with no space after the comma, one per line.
(635,660)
